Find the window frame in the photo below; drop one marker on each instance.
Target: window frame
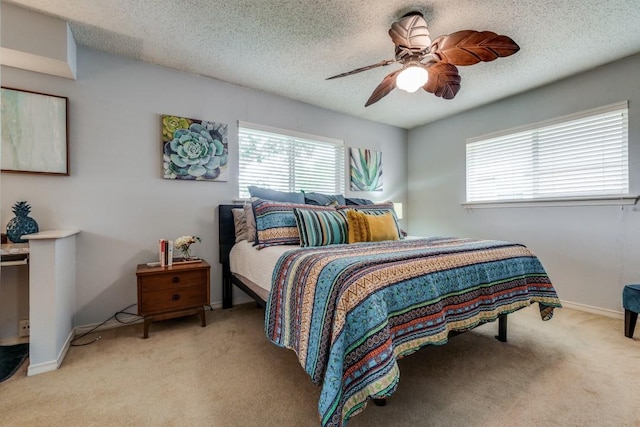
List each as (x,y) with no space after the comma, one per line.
(617,199)
(339,171)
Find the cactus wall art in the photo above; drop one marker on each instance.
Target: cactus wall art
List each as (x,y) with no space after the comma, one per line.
(366,170)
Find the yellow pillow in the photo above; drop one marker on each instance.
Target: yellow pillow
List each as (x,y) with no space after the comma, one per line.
(357,227)
(371,228)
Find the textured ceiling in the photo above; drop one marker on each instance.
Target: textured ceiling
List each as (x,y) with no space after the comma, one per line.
(289,47)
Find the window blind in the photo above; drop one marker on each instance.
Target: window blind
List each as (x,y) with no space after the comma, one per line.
(583,155)
(289,161)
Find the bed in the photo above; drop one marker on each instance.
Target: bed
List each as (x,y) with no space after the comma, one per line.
(350,311)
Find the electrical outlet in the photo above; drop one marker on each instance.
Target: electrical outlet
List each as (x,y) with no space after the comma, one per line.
(23,328)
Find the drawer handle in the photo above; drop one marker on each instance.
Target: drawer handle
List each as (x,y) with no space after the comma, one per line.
(175,297)
(175,279)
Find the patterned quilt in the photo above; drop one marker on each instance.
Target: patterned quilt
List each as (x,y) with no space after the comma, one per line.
(350,311)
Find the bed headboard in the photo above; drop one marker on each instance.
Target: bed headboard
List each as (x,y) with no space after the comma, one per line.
(226,231)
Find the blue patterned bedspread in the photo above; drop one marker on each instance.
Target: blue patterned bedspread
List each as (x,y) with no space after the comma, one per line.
(350,311)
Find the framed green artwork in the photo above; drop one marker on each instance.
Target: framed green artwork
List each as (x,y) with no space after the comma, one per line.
(34,132)
(366,169)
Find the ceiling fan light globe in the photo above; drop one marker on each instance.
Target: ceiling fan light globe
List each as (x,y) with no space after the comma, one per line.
(412,78)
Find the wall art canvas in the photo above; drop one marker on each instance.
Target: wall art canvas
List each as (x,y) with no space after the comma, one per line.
(34,132)
(195,150)
(366,170)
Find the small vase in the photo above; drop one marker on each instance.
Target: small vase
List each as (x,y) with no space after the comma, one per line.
(21,224)
(186,253)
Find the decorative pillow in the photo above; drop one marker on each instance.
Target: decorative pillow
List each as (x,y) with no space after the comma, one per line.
(374,209)
(357,227)
(355,201)
(371,228)
(251,223)
(321,228)
(276,222)
(276,196)
(240,224)
(320,199)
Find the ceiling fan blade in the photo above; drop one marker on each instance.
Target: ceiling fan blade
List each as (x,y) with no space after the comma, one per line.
(368,67)
(387,85)
(410,33)
(444,80)
(469,47)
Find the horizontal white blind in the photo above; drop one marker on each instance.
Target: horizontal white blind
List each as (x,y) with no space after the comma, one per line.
(585,155)
(288,161)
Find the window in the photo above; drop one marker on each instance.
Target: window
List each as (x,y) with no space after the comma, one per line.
(289,161)
(584,155)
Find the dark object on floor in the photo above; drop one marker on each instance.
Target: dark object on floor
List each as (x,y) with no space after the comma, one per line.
(11,357)
(631,304)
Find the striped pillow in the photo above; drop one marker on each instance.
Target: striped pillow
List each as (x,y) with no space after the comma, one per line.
(276,222)
(321,228)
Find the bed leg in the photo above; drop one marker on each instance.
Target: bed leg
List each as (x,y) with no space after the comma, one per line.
(379,402)
(502,328)
(227,292)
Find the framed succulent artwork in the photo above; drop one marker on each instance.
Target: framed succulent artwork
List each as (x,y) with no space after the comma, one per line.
(194,150)
(366,169)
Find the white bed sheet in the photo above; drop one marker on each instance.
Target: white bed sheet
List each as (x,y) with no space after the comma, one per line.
(256,265)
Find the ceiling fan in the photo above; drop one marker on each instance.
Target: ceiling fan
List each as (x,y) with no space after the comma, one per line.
(432,64)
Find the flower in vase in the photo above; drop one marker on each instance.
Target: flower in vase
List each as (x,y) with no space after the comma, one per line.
(183,244)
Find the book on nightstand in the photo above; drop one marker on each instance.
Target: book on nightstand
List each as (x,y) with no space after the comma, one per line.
(170,252)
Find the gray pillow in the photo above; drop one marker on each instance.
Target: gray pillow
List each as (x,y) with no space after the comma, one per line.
(356,201)
(240,224)
(321,199)
(276,196)
(251,223)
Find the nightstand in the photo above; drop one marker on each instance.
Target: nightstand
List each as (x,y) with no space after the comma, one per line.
(168,292)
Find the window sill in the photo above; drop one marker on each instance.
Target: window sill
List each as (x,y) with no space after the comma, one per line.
(576,201)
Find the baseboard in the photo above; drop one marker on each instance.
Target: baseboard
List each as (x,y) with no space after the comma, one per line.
(594,310)
(113,323)
(52,365)
(14,341)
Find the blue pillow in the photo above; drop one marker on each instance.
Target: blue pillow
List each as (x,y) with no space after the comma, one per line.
(321,199)
(355,201)
(276,196)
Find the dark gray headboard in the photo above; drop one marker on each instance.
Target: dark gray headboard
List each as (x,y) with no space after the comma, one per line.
(226,239)
(226,231)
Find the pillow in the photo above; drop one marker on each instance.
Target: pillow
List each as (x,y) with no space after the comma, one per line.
(374,209)
(371,228)
(356,201)
(321,228)
(240,224)
(320,199)
(251,223)
(276,222)
(276,196)
(357,227)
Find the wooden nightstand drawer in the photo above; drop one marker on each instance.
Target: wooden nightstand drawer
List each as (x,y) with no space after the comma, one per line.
(173,299)
(167,292)
(173,280)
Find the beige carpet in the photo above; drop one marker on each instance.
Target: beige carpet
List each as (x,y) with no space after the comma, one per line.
(576,370)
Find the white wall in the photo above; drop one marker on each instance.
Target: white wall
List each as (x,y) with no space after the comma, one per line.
(116,194)
(590,252)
